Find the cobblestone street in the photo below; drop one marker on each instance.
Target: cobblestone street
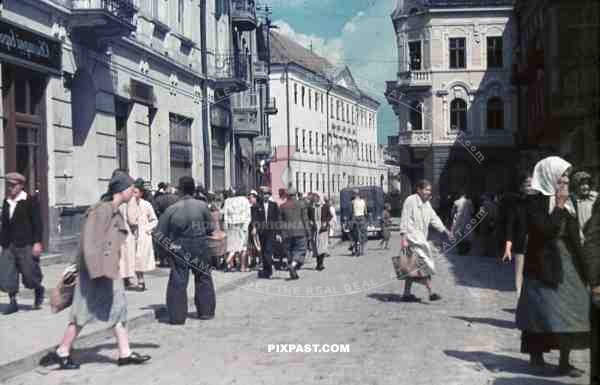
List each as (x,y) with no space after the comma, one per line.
(467,338)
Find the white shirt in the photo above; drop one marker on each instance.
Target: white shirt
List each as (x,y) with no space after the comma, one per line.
(266,211)
(12,204)
(359,207)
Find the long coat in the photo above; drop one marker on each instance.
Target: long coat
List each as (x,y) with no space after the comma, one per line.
(138,255)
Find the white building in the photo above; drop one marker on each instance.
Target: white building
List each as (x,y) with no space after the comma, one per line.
(89,86)
(329,121)
(453,96)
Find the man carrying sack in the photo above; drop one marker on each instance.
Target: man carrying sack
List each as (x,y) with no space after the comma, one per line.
(21,241)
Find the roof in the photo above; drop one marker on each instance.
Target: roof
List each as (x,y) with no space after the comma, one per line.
(285,50)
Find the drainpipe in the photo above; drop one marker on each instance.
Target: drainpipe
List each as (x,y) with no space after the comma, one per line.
(287,112)
(328,144)
(205,120)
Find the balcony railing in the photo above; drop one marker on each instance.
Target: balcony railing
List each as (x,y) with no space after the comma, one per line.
(260,70)
(415,138)
(93,20)
(416,79)
(271,106)
(243,14)
(232,71)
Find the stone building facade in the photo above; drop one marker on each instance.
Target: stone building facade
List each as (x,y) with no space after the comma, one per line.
(453,96)
(327,119)
(89,86)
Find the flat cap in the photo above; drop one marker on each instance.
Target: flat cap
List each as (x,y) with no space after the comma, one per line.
(253,192)
(15,177)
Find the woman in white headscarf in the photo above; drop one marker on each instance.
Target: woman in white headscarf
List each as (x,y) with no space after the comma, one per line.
(553,308)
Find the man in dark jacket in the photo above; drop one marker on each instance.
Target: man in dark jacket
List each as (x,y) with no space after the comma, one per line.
(295,229)
(21,241)
(265,218)
(591,260)
(183,230)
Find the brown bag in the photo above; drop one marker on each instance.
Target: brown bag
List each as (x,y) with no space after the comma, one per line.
(61,297)
(406,265)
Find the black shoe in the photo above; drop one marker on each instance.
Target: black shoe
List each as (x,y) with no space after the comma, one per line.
(205,317)
(293,273)
(320,268)
(133,359)
(435,297)
(64,363)
(39,298)
(264,275)
(570,371)
(13,307)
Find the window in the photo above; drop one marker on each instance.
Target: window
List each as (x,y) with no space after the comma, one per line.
(303,182)
(180,137)
(323,182)
(331,115)
(457,52)
(121,112)
(337,109)
(414,52)
(416,116)
(317,182)
(304,140)
(180,10)
(309,99)
(495,114)
(297,181)
(297,139)
(322,103)
(303,93)
(347,113)
(494,52)
(323,144)
(316,101)
(339,178)
(458,115)
(295,93)
(310,147)
(317,143)
(332,182)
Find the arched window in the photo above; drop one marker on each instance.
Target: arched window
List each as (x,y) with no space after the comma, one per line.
(495,114)
(416,115)
(458,115)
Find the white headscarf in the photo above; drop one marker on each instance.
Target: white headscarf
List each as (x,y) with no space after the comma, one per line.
(545,178)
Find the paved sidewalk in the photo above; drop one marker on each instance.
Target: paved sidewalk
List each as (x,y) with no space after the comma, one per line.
(30,334)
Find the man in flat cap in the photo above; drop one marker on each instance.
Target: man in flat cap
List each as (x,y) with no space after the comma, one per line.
(21,241)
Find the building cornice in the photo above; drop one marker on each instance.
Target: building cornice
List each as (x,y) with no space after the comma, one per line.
(475,9)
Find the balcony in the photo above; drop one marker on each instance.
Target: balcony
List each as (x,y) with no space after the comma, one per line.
(407,81)
(261,70)
(232,72)
(245,121)
(243,14)
(417,138)
(271,107)
(93,21)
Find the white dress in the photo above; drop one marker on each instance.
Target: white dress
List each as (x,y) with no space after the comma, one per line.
(417,216)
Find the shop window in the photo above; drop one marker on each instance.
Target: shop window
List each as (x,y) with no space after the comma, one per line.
(180,140)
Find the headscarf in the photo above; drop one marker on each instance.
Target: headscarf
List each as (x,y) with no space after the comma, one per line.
(546,174)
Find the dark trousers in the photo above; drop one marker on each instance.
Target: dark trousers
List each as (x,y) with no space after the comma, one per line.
(204,290)
(296,250)
(18,260)
(595,351)
(266,242)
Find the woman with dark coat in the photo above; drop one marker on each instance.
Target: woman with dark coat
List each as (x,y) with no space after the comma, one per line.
(554,307)
(591,258)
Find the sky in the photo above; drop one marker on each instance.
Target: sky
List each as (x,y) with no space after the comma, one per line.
(356,33)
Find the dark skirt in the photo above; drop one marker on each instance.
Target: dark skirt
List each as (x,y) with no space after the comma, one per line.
(555,317)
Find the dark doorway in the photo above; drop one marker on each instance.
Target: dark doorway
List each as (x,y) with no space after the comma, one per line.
(25,132)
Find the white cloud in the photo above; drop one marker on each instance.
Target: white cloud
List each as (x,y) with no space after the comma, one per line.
(367,44)
(331,49)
